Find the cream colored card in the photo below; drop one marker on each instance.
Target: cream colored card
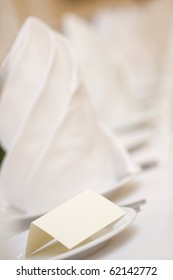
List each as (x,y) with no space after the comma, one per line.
(73,222)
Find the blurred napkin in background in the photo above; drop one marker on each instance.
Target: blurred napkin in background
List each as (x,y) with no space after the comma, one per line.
(106,80)
(140,34)
(56,146)
(121,53)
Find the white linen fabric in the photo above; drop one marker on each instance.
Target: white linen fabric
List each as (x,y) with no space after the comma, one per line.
(56,147)
(25,77)
(105,79)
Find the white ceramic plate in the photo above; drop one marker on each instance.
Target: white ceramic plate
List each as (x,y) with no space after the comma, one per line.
(15,216)
(17,244)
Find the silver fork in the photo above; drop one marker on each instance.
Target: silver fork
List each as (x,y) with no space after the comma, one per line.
(136,205)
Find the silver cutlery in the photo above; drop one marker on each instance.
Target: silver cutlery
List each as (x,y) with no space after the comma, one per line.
(136,205)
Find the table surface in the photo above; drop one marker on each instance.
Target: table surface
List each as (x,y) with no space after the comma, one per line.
(151,234)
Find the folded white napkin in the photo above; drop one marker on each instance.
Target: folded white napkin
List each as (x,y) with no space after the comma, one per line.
(25,78)
(105,78)
(56,147)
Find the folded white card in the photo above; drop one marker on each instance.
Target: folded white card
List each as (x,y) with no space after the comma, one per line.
(73,222)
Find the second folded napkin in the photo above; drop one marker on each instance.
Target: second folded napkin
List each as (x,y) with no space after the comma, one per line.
(106,78)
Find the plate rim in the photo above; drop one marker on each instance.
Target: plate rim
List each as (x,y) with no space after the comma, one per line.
(109,190)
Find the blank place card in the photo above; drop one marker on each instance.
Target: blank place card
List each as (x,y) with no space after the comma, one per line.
(73,222)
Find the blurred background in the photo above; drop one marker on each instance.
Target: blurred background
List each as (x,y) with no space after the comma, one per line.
(14,12)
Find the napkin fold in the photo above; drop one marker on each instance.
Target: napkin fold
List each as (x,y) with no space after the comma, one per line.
(24,78)
(56,146)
